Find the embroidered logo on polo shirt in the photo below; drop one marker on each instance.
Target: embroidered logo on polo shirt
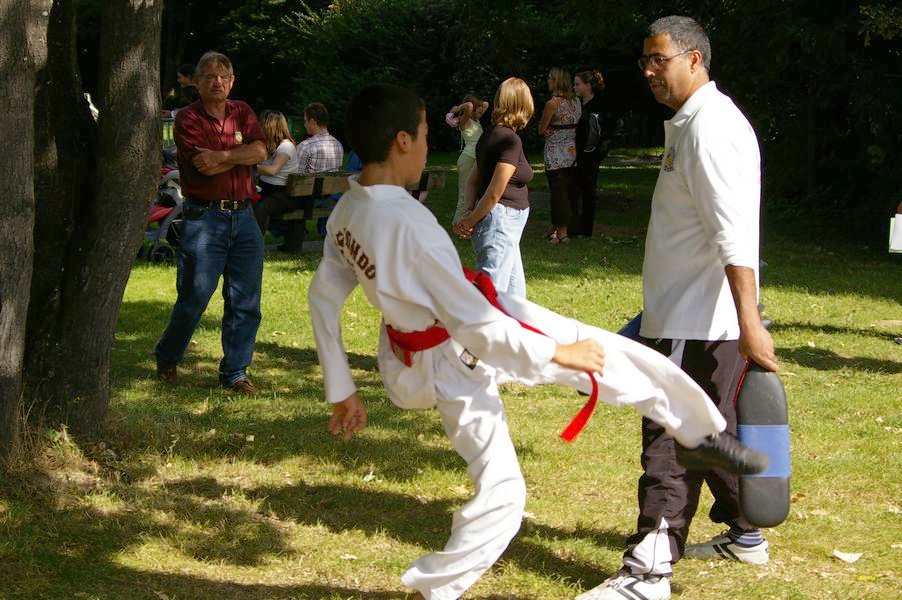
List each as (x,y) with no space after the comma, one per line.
(238,137)
(668,159)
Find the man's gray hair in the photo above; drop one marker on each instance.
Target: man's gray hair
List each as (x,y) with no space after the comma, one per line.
(685,33)
(210,58)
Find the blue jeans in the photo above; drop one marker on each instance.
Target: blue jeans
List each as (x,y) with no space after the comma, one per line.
(217,242)
(496,241)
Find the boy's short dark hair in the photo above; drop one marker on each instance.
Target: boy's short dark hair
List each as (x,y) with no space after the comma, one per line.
(186,69)
(375,116)
(318,113)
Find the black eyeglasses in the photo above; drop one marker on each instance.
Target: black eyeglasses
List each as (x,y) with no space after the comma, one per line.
(656,61)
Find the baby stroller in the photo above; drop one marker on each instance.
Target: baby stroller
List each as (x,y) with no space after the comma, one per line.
(165,217)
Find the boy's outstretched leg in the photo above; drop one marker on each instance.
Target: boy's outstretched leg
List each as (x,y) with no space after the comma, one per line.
(638,376)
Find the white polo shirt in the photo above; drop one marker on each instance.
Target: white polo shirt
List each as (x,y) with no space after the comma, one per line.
(704,216)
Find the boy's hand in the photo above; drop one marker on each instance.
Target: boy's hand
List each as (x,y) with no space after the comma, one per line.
(349,416)
(586,355)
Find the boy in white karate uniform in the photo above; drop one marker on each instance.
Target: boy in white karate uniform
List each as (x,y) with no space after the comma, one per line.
(461,347)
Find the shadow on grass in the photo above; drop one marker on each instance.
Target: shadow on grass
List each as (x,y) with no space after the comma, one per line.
(140,325)
(833,330)
(826,271)
(142,322)
(344,509)
(289,357)
(195,418)
(827,360)
(80,548)
(527,552)
(243,430)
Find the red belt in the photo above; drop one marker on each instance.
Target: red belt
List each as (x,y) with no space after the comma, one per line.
(404,344)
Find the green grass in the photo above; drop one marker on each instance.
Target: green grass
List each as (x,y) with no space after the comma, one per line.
(195,493)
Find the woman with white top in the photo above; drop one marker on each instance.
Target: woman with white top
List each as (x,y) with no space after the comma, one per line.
(274,171)
(467,115)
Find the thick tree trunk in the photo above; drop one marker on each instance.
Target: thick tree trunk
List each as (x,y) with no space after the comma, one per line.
(91,212)
(65,154)
(17,76)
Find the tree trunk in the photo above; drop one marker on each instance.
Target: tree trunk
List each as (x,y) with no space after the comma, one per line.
(65,153)
(92,207)
(17,77)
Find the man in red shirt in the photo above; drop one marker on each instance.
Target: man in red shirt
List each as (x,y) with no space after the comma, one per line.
(219,140)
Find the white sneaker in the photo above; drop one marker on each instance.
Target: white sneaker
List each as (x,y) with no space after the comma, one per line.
(632,587)
(722,546)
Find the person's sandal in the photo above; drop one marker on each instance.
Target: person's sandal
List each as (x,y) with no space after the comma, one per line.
(564,239)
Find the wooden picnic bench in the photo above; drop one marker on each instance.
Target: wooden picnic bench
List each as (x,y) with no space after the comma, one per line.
(307,189)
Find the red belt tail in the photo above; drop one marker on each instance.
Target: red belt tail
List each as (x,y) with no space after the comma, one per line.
(484,284)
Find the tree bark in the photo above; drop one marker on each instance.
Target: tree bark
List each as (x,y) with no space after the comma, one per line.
(17,76)
(96,184)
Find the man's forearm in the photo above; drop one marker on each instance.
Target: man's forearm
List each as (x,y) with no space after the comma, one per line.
(755,343)
(220,168)
(247,155)
(745,296)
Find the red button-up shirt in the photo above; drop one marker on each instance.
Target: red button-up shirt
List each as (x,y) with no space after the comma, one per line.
(196,128)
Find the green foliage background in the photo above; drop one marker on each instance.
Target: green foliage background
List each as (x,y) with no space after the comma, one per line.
(820,83)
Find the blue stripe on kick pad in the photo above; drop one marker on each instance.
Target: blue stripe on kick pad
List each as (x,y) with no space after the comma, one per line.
(772,440)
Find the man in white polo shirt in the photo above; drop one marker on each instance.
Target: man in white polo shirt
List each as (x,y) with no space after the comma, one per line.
(700,291)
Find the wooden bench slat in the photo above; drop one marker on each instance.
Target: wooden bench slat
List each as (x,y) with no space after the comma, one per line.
(304,185)
(337,182)
(299,186)
(335,185)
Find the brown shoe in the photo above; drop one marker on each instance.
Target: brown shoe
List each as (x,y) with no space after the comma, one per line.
(244,386)
(167,373)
